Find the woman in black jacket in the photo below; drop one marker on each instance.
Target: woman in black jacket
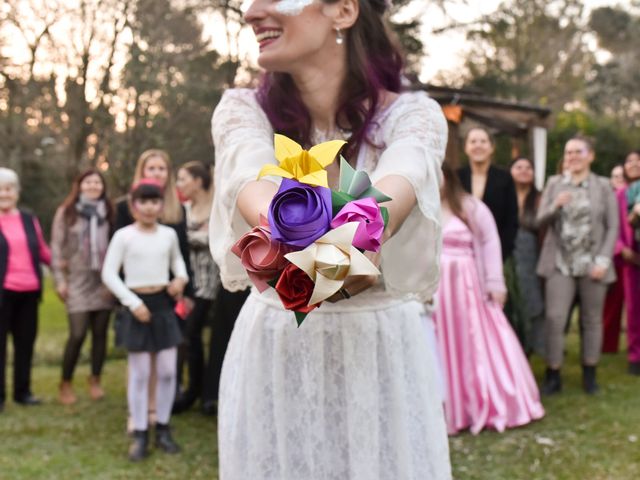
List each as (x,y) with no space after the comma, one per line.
(491,184)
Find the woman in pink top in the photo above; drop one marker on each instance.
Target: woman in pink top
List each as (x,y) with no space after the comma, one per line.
(22,251)
(489,381)
(629,252)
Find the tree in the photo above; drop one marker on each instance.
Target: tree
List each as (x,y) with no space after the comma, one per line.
(531,51)
(613,90)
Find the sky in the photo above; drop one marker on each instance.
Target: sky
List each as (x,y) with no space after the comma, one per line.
(445,51)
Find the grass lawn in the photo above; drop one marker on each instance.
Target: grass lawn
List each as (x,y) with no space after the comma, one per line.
(580,438)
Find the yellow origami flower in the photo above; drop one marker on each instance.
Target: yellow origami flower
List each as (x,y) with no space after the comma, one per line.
(302,165)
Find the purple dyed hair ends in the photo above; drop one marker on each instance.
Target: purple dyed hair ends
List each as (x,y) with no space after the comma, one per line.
(374,63)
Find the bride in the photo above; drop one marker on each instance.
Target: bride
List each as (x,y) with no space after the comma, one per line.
(352,393)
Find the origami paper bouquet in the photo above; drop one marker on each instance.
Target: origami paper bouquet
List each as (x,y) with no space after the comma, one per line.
(314,238)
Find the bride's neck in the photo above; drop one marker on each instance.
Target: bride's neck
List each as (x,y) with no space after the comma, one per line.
(320,89)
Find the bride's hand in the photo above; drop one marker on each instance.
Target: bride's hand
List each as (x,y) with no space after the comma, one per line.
(358,284)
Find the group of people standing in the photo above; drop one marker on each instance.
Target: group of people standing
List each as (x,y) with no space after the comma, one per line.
(560,248)
(145,257)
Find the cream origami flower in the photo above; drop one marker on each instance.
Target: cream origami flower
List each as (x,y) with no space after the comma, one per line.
(302,165)
(330,260)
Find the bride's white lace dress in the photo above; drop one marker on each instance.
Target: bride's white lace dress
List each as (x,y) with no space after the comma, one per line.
(352,394)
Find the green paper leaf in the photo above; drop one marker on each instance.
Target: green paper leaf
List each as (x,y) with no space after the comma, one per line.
(339,200)
(385,215)
(300,316)
(272,283)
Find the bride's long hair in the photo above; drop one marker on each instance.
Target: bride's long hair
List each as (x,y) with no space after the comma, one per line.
(374,63)
(454,194)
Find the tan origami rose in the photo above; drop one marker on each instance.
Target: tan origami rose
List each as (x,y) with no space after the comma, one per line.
(330,260)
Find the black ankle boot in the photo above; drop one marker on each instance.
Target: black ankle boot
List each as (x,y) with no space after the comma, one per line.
(164,440)
(552,382)
(634,368)
(589,380)
(138,448)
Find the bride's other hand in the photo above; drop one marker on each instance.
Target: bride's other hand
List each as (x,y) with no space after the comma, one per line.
(358,284)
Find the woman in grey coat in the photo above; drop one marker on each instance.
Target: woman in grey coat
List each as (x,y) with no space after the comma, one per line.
(79,238)
(579,208)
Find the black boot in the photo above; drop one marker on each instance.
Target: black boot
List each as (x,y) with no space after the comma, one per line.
(589,380)
(634,368)
(184,401)
(164,440)
(552,382)
(138,448)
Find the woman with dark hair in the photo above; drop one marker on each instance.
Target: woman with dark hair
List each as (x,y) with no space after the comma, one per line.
(491,184)
(194,183)
(627,253)
(579,208)
(22,253)
(525,255)
(79,237)
(353,392)
(489,381)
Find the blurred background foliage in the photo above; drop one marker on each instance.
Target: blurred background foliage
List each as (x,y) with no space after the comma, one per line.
(96,82)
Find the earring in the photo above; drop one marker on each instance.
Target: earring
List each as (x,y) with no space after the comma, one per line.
(339,36)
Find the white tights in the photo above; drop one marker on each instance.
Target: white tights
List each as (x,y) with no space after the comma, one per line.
(138,388)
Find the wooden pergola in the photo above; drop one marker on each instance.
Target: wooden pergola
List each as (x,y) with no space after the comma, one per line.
(464,109)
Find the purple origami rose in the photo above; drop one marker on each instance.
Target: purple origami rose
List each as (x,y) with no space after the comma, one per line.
(367,213)
(299,213)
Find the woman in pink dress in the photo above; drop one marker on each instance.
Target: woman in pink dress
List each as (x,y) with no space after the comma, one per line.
(489,381)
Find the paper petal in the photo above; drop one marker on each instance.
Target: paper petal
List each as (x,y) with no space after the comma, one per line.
(346,174)
(317,179)
(305,260)
(341,237)
(361,265)
(326,152)
(359,184)
(324,288)
(285,147)
(375,193)
(274,170)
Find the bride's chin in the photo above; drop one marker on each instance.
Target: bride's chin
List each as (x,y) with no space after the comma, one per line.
(271,64)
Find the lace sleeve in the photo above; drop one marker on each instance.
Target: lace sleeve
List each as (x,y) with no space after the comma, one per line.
(415,135)
(243,140)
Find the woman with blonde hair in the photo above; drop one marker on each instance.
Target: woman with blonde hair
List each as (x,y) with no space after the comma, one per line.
(155,163)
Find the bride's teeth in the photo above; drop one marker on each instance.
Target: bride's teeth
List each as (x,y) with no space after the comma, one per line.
(268,34)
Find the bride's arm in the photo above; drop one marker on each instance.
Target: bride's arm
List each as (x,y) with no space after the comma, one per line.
(254,200)
(403,200)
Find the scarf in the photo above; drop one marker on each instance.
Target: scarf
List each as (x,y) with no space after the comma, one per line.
(94,240)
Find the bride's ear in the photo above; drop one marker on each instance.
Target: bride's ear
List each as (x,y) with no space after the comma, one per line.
(344,13)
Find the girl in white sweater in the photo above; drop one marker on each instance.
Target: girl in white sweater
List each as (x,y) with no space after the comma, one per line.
(145,251)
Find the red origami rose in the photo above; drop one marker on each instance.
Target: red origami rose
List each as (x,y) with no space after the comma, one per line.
(295,288)
(262,257)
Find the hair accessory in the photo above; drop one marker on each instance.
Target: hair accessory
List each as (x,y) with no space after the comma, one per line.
(146,181)
(339,36)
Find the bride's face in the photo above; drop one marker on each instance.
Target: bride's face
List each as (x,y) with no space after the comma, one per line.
(290,32)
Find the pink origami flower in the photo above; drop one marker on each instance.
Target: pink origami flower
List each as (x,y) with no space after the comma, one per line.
(262,257)
(367,213)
